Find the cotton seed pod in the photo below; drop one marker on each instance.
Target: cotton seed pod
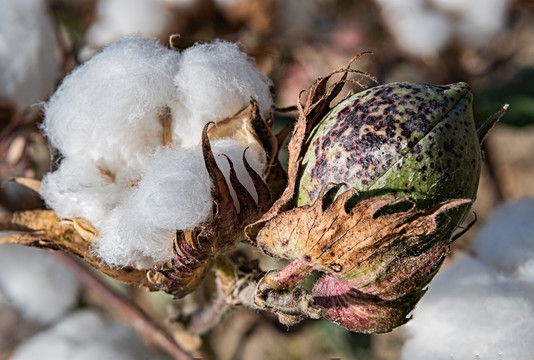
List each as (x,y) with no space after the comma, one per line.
(395,141)
(399,139)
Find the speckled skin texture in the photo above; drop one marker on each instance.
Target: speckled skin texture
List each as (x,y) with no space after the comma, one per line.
(400,139)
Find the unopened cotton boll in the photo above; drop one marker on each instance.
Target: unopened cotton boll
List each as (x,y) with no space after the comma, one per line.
(215,81)
(29,65)
(111,106)
(174,193)
(84,335)
(36,284)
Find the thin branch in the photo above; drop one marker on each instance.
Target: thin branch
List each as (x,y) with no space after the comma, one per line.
(128,311)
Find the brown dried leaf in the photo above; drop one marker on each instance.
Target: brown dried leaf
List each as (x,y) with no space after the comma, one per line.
(357,244)
(42,229)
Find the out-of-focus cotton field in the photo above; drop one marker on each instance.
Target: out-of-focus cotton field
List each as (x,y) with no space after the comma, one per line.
(226,52)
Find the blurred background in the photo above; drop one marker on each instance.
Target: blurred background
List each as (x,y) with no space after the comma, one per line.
(486,43)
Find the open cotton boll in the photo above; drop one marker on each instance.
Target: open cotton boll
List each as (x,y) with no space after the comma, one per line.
(36,284)
(469,312)
(29,65)
(506,242)
(174,193)
(418,30)
(477,20)
(79,189)
(84,335)
(483,306)
(118,18)
(111,106)
(215,81)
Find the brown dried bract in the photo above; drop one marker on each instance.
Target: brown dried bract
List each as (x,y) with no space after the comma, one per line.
(342,242)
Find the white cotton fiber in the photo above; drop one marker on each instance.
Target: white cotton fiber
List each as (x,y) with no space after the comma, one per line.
(36,284)
(506,242)
(29,65)
(79,189)
(118,18)
(111,106)
(174,193)
(215,81)
(477,21)
(418,30)
(481,307)
(84,335)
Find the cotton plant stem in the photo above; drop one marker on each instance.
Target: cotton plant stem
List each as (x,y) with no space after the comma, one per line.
(130,312)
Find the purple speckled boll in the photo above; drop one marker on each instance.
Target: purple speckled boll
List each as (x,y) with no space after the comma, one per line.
(400,139)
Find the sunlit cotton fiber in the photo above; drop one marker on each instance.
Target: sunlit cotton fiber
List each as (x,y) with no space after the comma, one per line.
(215,81)
(174,193)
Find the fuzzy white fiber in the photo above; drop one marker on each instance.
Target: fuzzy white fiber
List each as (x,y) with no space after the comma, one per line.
(174,193)
(106,120)
(421,30)
(506,243)
(215,81)
(482,307)
(417,30)
(29,65)
(84,335)
(34,283)
(110,107)
(118,18)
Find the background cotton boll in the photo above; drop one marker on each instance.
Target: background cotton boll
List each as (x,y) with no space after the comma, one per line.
(118,18)
(84,335)
(484,305)
(78,189)
(215,81)
(36,284)
(478,20)
(417,30)
(29,65)
(462,320)
(507,241)
(110,107)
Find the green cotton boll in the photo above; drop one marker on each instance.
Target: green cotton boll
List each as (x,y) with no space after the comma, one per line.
(400,139)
